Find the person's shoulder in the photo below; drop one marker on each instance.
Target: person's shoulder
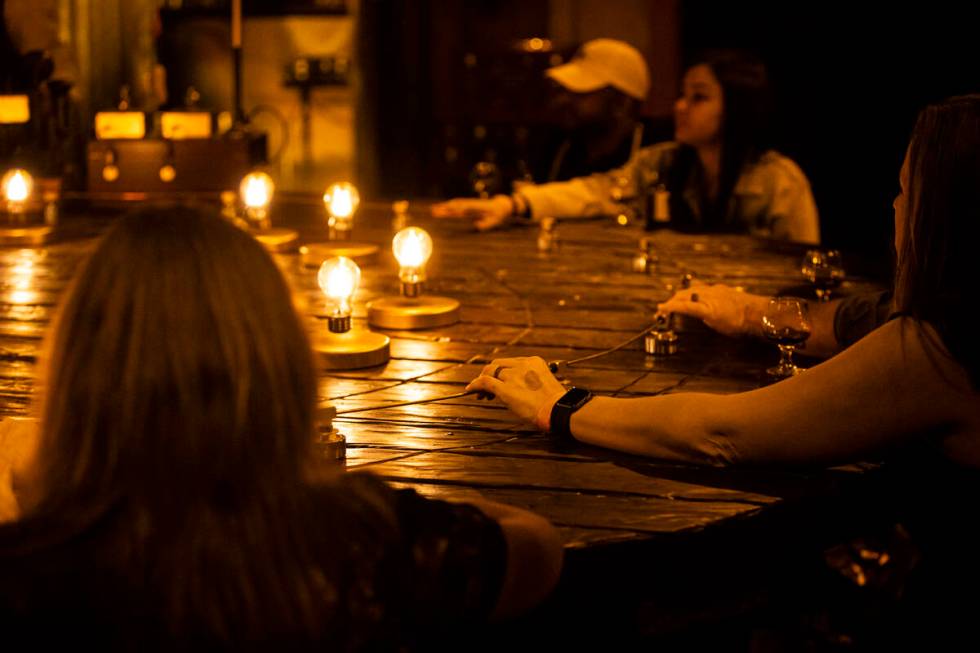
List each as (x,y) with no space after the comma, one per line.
(657,155)
(780,168)
(660,149)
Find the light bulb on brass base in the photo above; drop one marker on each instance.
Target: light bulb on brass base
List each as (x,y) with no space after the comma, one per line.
(412,310)
(256,191)
(19,207)
(343,348)
(341,202)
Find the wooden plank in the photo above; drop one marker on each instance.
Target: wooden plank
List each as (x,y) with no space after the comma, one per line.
(575,301)
(594,477)
(650,515)
(409,437)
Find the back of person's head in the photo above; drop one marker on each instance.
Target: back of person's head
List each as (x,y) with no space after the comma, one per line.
(747,99)
(936,267)
(178,369)
(177,418)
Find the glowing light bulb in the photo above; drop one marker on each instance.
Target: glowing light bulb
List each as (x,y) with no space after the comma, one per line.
(338,278)
(341,201)
(256,190)
(17,187)
(412,247)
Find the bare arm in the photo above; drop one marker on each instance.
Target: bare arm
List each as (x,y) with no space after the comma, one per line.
(18,442)
(884,390)
(735,313)
(534,557)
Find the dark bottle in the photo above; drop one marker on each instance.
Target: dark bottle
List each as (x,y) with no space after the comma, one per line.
(656,204)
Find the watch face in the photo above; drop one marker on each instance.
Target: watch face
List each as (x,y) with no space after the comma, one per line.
(574,396)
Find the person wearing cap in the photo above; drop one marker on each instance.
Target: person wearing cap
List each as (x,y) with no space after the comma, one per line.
(718,172)
(598,98)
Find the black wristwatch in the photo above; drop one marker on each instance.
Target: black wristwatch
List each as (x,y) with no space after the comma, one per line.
(561,412)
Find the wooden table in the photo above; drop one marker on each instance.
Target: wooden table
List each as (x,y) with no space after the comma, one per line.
(680,542)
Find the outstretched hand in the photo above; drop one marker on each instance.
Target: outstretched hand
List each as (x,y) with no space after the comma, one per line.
(486,213)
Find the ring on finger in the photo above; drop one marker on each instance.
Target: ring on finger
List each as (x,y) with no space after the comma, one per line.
(496,372)
(694,297)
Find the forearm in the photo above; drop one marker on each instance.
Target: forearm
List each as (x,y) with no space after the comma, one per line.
(582,197)
(534,557)
(822,341)
(9,507)
(670,427)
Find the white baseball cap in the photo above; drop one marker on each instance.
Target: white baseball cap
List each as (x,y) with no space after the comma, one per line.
(604,62)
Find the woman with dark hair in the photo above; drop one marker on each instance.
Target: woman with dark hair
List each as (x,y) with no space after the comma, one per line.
(174,499)
(719,172)
(909,390)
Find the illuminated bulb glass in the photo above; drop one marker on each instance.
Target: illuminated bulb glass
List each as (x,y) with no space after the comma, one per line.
(341,200)
(338,278)
(256,190)
(412,247)
(17,185)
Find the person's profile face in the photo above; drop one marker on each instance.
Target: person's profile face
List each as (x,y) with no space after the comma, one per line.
(578,110)
(699,110)
(901,204)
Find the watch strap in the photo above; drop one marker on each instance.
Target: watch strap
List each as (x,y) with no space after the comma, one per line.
(562,411)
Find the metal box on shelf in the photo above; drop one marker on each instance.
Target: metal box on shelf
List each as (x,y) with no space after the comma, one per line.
(156,165)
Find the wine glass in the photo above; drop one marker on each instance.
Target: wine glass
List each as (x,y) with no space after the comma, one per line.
(823,268)
(787,323)
(485,178)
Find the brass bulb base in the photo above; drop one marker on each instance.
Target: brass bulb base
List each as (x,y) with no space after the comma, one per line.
(426,312)
(25,235)
(351,350)
(660,343)
(276,239)
(338,324)
(412,289)
(314,254)
(330,444)
(338,234)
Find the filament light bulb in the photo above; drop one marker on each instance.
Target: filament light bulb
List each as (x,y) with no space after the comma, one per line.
(412,247)
(17,186)
(341,201)
(257,189)
(338,278)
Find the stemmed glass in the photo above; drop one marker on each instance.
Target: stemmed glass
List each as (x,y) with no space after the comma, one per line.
(787,323)
(485,178)
(823,268)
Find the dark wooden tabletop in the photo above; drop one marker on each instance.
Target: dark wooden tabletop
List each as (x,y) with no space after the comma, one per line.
(580,298)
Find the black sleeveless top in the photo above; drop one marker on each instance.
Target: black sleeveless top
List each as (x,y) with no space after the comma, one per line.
(432,569)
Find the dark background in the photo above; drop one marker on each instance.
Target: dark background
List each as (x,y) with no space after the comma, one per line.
(849,80)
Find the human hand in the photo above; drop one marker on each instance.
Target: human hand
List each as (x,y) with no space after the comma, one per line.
(727,310)
(486,214)
(525,385)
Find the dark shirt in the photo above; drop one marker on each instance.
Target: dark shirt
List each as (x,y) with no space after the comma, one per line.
(859,315)
(419,571)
